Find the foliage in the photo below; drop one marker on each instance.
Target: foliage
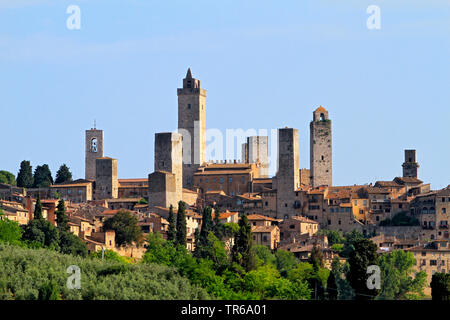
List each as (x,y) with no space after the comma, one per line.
(172,232)
(10,231)
(7,177)
(350,239)
(38,208)
(263,256)
(316,257)
(25,175)
(42,232)
(396,280)
(71,244)
(334,237)
(142,201)
(61,217)
(203,248)
(440,286)
(339,270)
(219,227)
(109,255)
(24,273)
(242,252)
(42,177)
(63,174)
(181,224)
(401,219)
(363,255)
(126,227)
(49,291)
(285,261)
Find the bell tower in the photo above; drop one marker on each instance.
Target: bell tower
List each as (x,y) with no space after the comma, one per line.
(192,126)
(93,150)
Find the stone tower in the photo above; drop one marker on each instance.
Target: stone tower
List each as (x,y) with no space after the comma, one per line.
(255,150)
(94,150)
(320,148)
(410,166)
(166,183)
(106,179)
(192,125)
(288,178)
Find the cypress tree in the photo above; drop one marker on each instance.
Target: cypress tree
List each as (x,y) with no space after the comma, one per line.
(38,208)
(181,224)
(218,226)
(61,218)
(25,175)
(171,233)
(242,249)
(203,247)
(42,176)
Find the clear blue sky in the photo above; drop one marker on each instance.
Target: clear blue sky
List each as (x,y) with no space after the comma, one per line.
(265,64)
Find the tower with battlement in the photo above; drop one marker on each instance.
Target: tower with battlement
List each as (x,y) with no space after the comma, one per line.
(410,166)
(321,149)
(192,126)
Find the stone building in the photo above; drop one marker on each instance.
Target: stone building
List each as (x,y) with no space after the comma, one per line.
(77,191)
(192,126)
(232,178)
(94,150)
(410,166)
(287,178)
(106,180)
(256,150)
(320,148)
(165,183)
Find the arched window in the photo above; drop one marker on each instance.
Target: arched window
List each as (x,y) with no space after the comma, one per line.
(432,210)
(322,117)
(94,145)
(424,210)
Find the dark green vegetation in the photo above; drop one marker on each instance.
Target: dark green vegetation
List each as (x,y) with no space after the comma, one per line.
(41,274)
(400,219)
(126,227)
(63,174)
(7,177)
(440,286)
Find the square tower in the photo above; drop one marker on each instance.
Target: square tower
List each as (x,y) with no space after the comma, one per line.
(166,183)
(320,149)
(410,166)
(192,125)
(288,178)
(93,150)
(106,179)
(256,150)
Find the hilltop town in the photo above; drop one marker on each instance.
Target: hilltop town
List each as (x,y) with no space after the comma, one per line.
(288,211)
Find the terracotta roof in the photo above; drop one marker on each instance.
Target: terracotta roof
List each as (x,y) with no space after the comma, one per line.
(260,217)
(304,219)
(224,215)
(188,191)
(257,229)
(124,200)
(321,109)
(388,184)
(134,180)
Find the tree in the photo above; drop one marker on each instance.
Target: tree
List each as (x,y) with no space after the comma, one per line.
(10,231)
(364,255)
(263,256)
(204,248)
(334,237)
(440,286)
(7,177)
(218,228)
(61,217)
(126,227)
(344,290)
(49,291)
(25,175)
(42,177)
(63,174)
(172,232)
(71,244)
(285,261)
(396,275)
(242,252)
(181,224)
(316,257)
(350,239)
(42,232)
(332,290)
(38,208)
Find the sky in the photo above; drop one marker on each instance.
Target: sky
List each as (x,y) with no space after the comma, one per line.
(264,64)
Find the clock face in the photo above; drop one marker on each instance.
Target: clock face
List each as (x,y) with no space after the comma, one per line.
(94,145)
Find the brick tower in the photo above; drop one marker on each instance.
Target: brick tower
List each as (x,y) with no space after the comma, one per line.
(192,126)
(410,166)
(320,148)
(93,150)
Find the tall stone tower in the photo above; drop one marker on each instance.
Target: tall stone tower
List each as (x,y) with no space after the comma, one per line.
(288,178)
(192,125)
(94,150)
(320,148)
(106,179)
(410,166)
(165,184)
(255,150)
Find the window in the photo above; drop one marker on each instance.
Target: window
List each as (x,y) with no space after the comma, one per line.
(221,179)
(265,238)
(292,226)
(69,191)
(339,222)
(365,202)
(267,203)
(242,179)
(378,218)
(443,199)
(356,202)
(433,262)
(206,180)
(329,221)
(230,179)
(444,210)
(331,209)
(189,105)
